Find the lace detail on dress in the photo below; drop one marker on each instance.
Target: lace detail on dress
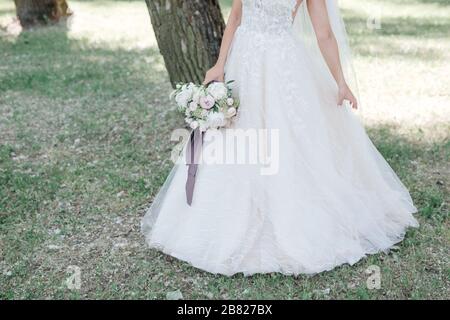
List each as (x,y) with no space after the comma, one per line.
(267,16)
(267,24)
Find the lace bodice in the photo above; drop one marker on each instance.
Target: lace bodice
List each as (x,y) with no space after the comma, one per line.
(267,16)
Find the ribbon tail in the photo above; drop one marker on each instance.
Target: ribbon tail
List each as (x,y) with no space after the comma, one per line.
(192,154)
(190,183)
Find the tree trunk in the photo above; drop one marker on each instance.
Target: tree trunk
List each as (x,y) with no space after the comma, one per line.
(189,33)
(40,12)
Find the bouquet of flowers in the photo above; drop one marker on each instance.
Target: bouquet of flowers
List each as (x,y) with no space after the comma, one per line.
(206,107)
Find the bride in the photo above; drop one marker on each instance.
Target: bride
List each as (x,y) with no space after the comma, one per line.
(332,199)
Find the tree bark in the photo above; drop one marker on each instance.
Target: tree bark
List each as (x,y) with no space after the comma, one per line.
(40,12)
(189,34)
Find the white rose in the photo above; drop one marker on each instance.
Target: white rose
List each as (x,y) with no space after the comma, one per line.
(189,88)
(216,119)
(230,101)
(182,98)
(194,125)
(231,112)
(193,106)
(218,90)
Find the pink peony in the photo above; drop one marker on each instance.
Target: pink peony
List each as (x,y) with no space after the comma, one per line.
(207,102)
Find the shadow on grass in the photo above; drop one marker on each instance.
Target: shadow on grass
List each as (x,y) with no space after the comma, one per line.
(405,154)
(394,36)
(56,90)
(430,27)
(56,66)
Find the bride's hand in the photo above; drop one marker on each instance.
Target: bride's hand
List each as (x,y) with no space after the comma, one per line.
(216,73)
(346,94)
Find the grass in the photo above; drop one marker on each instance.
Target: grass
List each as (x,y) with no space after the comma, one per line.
(84,127)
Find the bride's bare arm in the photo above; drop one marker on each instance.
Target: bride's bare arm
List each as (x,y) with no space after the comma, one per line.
(329,48)
(216,73)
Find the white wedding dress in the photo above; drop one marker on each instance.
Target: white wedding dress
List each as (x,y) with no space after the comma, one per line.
(334,198)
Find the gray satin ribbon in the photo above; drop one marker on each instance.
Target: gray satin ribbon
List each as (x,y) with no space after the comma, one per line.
(193,151)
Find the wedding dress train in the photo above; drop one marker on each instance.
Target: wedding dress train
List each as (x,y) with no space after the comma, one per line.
(334,198)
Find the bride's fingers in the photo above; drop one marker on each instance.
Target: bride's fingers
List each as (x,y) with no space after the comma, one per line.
(206,81)
(353,102)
